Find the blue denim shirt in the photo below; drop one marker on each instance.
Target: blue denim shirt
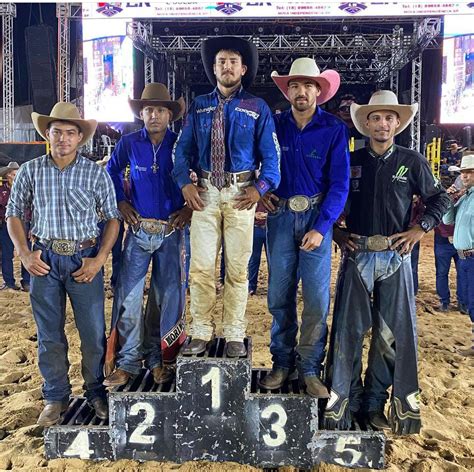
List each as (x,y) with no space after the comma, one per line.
(152,195)
(250,139)
(462,214)
(314,160)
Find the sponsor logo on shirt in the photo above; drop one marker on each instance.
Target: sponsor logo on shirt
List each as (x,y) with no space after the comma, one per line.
(356,172)
(355,185)
(206,110)
(400,176)
(314,154)
(250,113)
(140,169)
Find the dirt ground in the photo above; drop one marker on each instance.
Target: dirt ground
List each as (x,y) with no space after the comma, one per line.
(446,442)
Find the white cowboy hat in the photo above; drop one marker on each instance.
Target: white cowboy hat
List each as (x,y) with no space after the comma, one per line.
(467,162)
(65,111)
(306,68)
(6,169)
(382,100)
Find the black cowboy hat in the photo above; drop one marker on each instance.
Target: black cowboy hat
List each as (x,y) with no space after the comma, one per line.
(211,46)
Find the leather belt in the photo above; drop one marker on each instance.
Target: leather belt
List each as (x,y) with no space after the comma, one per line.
(376,243)
(232,178)
(465,253)
(66,247)
(153,226)
(300,203)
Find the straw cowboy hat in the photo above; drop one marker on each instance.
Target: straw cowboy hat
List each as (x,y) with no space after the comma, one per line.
(467,162)
(64,111)
(6,169)
(382,100)
(211,46)
(156,95)
(306,68)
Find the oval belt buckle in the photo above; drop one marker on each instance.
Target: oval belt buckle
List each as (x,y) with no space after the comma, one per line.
(298,203)
(378,243)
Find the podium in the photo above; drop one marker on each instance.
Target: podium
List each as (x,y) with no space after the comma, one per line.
(213,411)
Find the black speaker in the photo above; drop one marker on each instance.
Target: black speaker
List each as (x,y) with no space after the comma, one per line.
(467,137)
(431,131)
(40,56)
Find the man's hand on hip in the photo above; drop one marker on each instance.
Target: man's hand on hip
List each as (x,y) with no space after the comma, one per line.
(192,198)
(404,242)
(247,198)
(269,201)
(130,215)
(311,240)
(179,219)
(34,264)
(89,269)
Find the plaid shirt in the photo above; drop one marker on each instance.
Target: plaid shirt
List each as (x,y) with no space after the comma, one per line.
(65,202)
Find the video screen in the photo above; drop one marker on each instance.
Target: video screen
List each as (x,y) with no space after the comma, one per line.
(457,93)
(108,70)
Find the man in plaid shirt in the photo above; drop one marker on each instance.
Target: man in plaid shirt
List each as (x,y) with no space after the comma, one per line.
(64,191)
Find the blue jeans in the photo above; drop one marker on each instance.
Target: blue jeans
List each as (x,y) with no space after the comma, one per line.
(444,252)
(285,230)
(116,252)
(48,302)
(259,241)
(466,269)
(168,286)
(7,259)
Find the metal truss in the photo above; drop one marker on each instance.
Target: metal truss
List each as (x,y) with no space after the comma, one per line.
(8,12)
(63,13)
(415,131)
(148,61)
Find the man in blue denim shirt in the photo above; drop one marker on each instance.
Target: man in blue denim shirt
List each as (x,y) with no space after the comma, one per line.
(375,285)
(155,216)
(311,196)
(227,135)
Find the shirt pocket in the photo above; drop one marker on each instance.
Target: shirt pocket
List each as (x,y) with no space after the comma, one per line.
(81,199)
(244,126)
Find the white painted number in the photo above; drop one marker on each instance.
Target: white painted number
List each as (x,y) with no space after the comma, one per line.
(79,447)
(137,436)
(353,455)
(214,377)
(277,427)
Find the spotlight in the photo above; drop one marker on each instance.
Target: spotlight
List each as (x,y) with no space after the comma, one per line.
(216,29)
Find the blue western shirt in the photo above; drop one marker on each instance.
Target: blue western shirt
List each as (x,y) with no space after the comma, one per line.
(153,195)
(462,214)
(315,160)
(250,139)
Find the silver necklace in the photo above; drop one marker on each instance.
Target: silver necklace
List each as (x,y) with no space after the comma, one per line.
(154,167)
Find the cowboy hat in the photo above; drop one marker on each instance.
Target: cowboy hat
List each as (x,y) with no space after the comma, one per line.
(64,111)
(306,68)
(467,162)
(6,169)
(211,46)
(155,95)
(382,100)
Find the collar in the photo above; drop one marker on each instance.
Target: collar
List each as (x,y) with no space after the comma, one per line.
(145,136)
(50,161)
(317,117)
(383,156)
(237,93)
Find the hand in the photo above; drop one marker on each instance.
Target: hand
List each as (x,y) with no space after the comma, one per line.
(268,200)
(261,215)
(179,219)
(34,264)
(311,240)
(88,270)
(406,240)
(192,198)
(130,215)
(247,198)
(346,241)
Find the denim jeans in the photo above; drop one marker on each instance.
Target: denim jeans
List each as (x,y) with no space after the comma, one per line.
(116,252)
(140,338)
(7,258)
(444,252)
(466,269)
(259,241)
(48,302)
(285,230)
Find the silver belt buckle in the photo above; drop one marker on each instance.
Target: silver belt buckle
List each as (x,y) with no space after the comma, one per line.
(299,203)
(378,243)
(64,247)
(152,227)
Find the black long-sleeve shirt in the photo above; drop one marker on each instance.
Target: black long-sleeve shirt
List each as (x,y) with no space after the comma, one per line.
(382,188)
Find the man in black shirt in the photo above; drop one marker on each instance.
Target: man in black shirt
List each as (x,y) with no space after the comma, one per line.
(375,286)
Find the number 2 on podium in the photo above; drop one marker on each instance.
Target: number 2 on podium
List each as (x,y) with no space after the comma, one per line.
(214,377)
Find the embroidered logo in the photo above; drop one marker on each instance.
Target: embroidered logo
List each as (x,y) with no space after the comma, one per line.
(356,172)
(413,400)
(314,154)
(355,185)
(250,113)
(206,110)
(277,147)
(400,176)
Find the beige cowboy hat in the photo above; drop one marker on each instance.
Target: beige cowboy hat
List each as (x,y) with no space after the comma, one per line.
(467,162)
(306,68)
(156,94)
(64,111)
(6,169)
(382,100)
